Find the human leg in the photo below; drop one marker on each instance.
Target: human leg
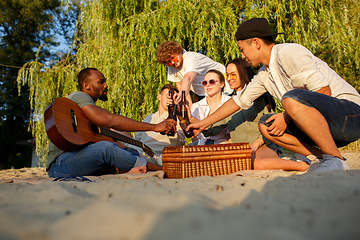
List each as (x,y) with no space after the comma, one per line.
(95,159)
(267,158)
(287,140)
(294,144)
(313,124)
(324,119)
(141,169)
(320,120)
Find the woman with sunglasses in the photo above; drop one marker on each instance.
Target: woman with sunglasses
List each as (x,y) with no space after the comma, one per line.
(187,69)
(243,125)
(213,84)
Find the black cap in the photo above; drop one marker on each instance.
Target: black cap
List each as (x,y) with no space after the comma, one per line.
(255,27)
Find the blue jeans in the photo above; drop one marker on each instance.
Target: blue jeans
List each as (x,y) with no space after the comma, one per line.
(342,116)
(93,160)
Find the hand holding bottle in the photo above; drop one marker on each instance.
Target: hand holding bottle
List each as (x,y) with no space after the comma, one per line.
(171,111)
(183,116)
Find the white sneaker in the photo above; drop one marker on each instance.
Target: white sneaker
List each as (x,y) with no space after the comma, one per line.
(332,163)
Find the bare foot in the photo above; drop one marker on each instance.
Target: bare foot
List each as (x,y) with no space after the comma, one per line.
(304,166)
(141,169)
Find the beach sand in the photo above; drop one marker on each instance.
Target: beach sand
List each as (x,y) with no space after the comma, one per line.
(279,205)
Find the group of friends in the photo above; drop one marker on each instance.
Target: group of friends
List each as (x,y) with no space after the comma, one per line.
(230,104)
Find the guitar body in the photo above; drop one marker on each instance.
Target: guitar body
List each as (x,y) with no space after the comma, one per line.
(69,129)
(66,134)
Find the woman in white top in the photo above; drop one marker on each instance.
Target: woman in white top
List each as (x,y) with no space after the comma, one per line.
(213,83)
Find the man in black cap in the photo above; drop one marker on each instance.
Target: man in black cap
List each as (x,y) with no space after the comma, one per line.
(322,110)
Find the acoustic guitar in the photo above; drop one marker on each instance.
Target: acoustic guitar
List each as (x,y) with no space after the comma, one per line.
(69,129)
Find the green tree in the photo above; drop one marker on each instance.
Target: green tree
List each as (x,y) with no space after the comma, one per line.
(24,26)
(328,28)
(120,39)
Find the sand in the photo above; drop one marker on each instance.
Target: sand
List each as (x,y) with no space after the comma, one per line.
(279,205)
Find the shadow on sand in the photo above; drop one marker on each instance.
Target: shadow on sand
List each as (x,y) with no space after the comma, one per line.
(310,206)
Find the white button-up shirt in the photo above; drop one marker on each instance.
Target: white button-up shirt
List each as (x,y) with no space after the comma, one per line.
(201,110)
(294,66)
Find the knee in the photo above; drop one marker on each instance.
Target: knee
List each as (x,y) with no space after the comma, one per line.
(294,98)
(262,128)
(262,123)
(289,104)
(265,117)
(105,145)
(258,164)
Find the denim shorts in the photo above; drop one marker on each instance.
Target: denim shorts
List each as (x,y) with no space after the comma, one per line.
(342,116)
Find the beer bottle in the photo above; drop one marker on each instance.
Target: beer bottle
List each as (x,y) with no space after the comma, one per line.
(171,112)
(183,116)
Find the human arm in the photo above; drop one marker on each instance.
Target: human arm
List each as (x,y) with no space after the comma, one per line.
(184,85)
(234,121)
(104,118)
(192,119)
(257,144)
(217,127)
(228,108)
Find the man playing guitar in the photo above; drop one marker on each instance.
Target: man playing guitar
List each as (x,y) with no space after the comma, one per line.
(104,156)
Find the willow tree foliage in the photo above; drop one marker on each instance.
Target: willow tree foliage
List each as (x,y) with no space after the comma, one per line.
(328,28)
(120,38)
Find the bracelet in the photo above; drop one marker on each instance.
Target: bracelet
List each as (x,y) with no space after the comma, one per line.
(287,121)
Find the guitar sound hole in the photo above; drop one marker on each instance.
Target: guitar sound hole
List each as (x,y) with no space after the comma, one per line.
(94,128)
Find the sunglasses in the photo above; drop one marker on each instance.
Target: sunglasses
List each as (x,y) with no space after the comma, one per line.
(211,82)
(231,75)
(172,61)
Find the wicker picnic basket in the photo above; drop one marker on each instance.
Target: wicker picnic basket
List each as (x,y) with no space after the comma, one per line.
(206,160)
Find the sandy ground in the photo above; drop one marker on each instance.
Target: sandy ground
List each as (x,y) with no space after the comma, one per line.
(279,205)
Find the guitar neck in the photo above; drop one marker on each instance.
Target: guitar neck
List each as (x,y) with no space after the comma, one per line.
(118,136)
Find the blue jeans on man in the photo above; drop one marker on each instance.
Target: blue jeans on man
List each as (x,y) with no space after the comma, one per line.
(96,159)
